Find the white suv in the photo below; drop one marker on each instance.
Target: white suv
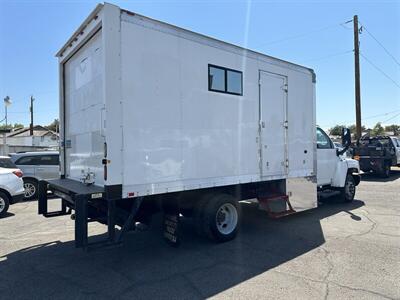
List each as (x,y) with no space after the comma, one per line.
(11,184)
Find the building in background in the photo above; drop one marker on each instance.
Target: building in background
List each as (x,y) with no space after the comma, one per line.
(21,140)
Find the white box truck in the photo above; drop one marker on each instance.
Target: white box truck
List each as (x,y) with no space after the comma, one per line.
(158,118)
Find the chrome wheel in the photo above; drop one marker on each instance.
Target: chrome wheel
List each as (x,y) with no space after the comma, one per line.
(30,189)
(226,218)
(2,204)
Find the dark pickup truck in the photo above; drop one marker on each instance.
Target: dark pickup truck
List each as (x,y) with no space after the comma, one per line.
(377,154)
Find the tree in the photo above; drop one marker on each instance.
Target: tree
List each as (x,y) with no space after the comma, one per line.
(336,130)
(54,126)
(377,130)
(353,128)
(10,126)
(394,128)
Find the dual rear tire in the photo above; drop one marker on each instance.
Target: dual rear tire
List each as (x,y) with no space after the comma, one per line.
(217,217)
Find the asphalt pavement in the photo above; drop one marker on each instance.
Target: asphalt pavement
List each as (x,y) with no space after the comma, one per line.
(336,251)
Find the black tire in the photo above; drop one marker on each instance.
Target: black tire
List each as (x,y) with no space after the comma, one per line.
(198,213)
(31,189)
(385,170)
(348,192)
(4,204)
(220,218)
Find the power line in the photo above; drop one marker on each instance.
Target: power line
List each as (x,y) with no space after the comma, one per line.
(380,70)
(329,56)
(384,114)
(380,44)
(370,117)
(391,118)
(293,37)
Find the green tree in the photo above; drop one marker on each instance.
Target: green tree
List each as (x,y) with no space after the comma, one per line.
(377,130)
(54,126)
(353,128)
(395,128)
(11,126)
(336,130)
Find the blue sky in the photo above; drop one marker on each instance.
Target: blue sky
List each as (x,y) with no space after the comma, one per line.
(304,32)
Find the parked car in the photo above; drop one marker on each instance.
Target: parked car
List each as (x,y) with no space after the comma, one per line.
(36,166)
(11,184)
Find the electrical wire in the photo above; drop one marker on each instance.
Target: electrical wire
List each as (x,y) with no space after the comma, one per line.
(371,117)
(380,70)
(391,118)
(329,56)
(380,115)
(293,37)
(380,44)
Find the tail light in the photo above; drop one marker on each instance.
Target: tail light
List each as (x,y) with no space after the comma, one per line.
(18,173)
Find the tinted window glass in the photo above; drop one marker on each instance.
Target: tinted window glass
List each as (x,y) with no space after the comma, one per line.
(7,163)
(234,82)
(27,160)
(323,141)
(49,160)
(216,79)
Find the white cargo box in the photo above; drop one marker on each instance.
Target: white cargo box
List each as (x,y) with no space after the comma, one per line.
(154,109)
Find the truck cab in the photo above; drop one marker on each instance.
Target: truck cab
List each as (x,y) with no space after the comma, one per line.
(336,172)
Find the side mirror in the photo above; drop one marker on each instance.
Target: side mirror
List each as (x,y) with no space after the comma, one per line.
(346,137)
(346,141)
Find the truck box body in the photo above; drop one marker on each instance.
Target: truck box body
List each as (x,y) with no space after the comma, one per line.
(149,108)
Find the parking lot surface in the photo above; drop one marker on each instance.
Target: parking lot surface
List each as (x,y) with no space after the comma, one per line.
(337,251)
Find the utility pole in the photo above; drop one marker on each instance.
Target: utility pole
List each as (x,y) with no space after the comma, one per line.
(357,77)
(31,110)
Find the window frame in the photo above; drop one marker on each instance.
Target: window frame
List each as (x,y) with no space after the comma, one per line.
(31,157)
(225,91)
(332,146)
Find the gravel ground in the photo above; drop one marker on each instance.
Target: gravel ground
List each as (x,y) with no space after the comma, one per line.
(337,251)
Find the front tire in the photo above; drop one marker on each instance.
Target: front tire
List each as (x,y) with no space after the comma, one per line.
(31,189)
(348,192)
(221,218)
(4,204)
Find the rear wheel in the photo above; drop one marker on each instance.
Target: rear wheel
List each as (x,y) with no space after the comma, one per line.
(220,218)
(4,204)
(348,192)
(31,189)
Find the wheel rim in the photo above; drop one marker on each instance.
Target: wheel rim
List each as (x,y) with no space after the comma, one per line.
(30,189)
(2,204)
(226,218)
(350,189)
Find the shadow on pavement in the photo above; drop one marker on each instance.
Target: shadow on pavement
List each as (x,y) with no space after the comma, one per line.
(394,174)
(7,215)
(146,267)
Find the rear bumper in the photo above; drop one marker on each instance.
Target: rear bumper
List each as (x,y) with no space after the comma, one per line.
(90,203)
(371,163)
(17,198)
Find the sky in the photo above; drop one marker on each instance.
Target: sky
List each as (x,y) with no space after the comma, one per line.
(310,33)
